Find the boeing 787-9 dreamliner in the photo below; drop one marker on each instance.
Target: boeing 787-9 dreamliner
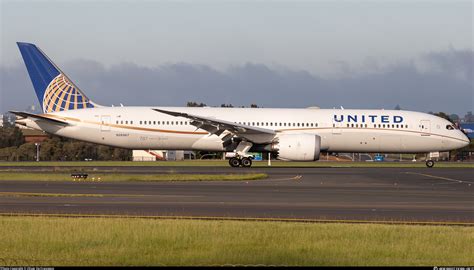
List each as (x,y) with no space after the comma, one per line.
(291,134)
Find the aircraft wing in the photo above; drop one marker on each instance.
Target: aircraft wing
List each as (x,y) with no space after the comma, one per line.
(218,126)
(35,117)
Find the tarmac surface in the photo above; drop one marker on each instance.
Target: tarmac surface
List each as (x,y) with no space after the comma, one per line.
(374,194)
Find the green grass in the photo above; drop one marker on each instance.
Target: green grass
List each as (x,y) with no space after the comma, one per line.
(223,163)
(102,177)
(121,241)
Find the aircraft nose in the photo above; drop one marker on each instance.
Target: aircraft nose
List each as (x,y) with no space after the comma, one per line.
(466,141)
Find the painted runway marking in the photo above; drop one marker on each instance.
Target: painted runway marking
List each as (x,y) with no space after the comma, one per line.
(440,177)
(30,194)
(296,178)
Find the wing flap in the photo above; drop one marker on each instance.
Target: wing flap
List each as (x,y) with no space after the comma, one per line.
(219,126)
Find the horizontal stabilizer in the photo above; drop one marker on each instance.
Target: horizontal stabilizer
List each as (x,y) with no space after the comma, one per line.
(35,117)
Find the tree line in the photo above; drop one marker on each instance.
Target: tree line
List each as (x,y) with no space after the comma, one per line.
(223,105)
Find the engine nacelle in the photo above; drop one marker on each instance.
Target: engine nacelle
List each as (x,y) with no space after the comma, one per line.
(298,147)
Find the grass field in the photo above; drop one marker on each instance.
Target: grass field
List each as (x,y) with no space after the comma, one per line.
(121,241)
(102,177)
(223,163)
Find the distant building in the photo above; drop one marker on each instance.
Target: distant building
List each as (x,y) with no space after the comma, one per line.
(33,135)
(469,129)
(147,155)
(156,155)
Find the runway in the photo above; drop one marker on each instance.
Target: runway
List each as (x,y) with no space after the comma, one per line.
(375,194)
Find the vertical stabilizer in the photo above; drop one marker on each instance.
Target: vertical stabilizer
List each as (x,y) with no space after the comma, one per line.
(53,88)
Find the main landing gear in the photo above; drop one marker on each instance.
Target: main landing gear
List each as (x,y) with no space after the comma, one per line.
(430,163)
(237,162)
(242,159)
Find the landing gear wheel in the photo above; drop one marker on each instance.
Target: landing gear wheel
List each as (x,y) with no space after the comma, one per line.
(429,163)
(234,162)
(246,162)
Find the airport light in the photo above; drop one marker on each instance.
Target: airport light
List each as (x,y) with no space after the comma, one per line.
(37,151)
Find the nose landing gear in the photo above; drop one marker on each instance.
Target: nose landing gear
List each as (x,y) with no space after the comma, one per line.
(430,163)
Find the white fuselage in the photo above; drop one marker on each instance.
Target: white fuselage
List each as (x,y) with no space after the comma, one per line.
(340,130)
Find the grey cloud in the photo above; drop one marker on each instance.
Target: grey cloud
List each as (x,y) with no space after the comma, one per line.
(456,63)
(440,81)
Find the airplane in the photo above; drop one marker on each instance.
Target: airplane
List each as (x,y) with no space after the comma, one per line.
(290,134)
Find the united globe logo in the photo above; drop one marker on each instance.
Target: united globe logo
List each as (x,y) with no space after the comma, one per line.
(61,95)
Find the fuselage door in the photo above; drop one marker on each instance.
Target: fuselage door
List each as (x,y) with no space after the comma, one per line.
(425,127)
(105,123)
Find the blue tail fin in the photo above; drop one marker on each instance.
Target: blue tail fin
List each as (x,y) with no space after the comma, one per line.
(54,89)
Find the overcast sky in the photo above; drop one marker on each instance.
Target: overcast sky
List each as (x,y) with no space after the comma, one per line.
(358,54)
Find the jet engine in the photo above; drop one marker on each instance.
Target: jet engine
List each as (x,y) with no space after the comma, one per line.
(297,147)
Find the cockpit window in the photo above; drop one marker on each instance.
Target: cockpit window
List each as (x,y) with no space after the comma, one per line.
(450,127)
